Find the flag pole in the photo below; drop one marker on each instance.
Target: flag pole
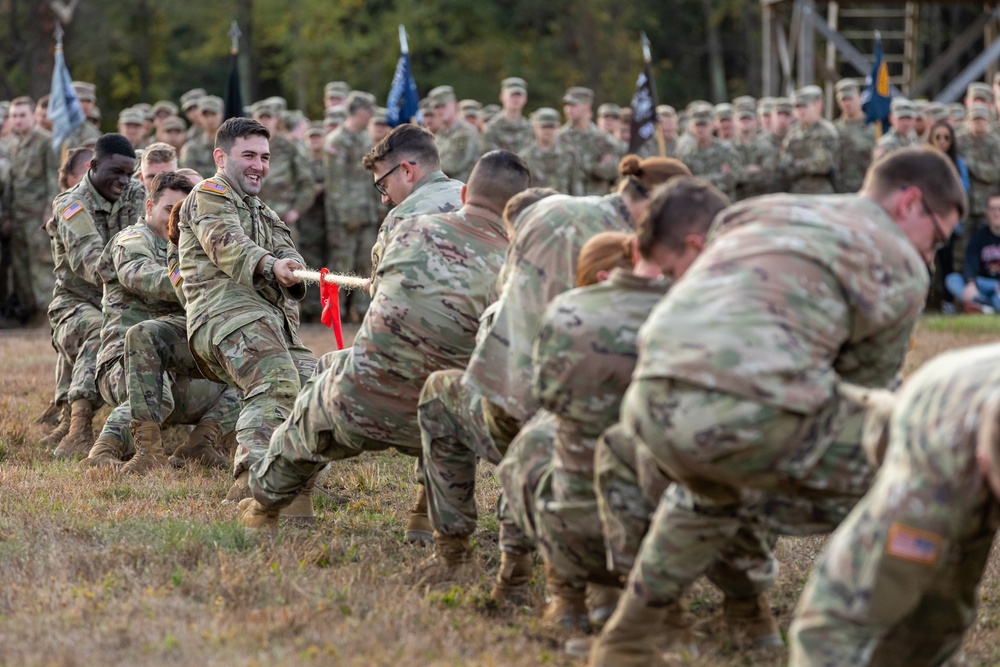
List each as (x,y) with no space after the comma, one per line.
(878,124)
(404,47)
(64,149)
(647,57)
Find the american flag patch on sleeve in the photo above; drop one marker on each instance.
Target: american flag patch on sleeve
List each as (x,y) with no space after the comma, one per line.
(913,544)
(214,188)
(175,274)
(72,210)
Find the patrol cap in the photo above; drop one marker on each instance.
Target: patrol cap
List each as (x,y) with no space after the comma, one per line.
(545,117)
(315,129)
(338,89)
(746,112)
(514,84)
(956,111)
(277,103)
(337,113)
(807,95)
(700,115)
(979,91)
(977,111)
(608,109)
(441,95)
(693,104)
(847,89)
(666,110)
(85,92)
(578,95)
(166,107)
(920,106)
(765,105)
(145,108)
(783,105)
(261,108)
(744,102)
(935,111)
(380,116)
(359,99)
(211,104)
(171,123)
(489,111)
(469,107)
(900,107)
(292,118)
(426,106)
(723,111)
(191,97)
(131,116)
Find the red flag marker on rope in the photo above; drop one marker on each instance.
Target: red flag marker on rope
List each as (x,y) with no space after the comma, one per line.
(329,300)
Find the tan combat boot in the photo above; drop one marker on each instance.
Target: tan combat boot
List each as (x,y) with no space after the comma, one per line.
(80,437)
(566,609)
(418,524)
(628,640)
(511,586)
(454,563)
(107,452)
(601,602)
(61,428)
(50,417)
(750,622)
(200,448)
(148,449)
(240,490)
(254,515)
(300,511)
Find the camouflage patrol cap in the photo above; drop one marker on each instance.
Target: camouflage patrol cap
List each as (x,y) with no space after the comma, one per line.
(145,108)
(746,112)
(191,97)
(693,104)
(211,104)
(935,111)
(426,106)
(85,92)
(131,116)
(489,111)
(847,89)
(380,116)
(337,113)
(441,95)
(609,109)
(338,89)
(977,111)
(700,115)
(166,107)
(807,95)
(359,99)
(469,107)
(277,103)
(261,108)
(900,107)
(783,105)
(666,110)
(765,105)
(171,123)
(315,129)
(744,102)
(578,95)
(292,118)
(545,117)
(979,91)
(723,111)
(920,106)
(956,111)
(514,84)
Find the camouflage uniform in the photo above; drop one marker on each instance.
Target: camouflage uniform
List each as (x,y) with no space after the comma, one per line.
(514,136)
(434,193)
(289,184)
(810,157)
(350,211)
(896,584)
(742,410)
(598,155)
(719,164)
(311,228)
(242,329)
(556,167)
(80,228)
(144,366)
(757,151)
(27,198)
(893,141)
(857,141)
(196,153)
(982,157)
(478,413)
(436,277)
(84,133)
(458,147)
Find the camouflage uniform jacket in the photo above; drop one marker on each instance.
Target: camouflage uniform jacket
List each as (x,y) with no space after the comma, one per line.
(289,184)
(791,294)
(857,141)
(557,167)
(436,278)
(810,157)
(459,149)
(598,154)
(174,272)
(719,164)
(197,154)
(761,152)
(81,135)
(893,141)
(434,193)
(982,157)
(136,286)
(348,184)
(222,238)
(32,182)
(541,264)
(585,351)
(82,224)
(514,136)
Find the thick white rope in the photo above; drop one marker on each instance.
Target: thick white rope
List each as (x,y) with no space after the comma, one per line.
(346,282)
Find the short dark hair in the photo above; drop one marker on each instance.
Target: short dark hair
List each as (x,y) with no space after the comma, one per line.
(238,127)
(684,205)
(406,141)
(113,144)
(43,102)
(23,99)
(168,180)
(498,176)
(517,204)
(924,167)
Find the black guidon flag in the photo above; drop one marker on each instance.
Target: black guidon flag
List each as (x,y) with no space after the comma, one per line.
(643,109)
(234,97)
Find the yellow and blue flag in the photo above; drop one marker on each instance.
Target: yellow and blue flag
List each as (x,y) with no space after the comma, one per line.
(877,95)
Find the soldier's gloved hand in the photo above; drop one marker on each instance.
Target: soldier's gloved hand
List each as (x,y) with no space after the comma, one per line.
(254,515)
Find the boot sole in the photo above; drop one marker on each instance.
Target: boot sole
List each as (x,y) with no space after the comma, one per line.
(418,537)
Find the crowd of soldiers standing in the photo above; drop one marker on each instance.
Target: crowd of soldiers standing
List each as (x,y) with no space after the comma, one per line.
(720,376)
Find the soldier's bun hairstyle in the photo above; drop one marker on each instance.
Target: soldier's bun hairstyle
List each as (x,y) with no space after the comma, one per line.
(685,205)
(113,144)
(924,167)
(168,180)
(173,230)
(497,176)
(517,204)
(75,164)
(405,142)
(640,177)
(603,252)
(238,128)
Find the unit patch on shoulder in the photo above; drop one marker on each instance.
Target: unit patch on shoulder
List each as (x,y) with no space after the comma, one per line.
(128,235)
(175,274)
(72,210)
(913,544)
(214,188)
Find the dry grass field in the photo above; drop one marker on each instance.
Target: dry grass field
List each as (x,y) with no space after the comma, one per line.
(95,570)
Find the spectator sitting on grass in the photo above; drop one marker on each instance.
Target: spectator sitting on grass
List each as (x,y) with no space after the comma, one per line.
(978,286)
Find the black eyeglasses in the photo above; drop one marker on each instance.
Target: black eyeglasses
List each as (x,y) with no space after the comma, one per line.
(378,183)
(940,238)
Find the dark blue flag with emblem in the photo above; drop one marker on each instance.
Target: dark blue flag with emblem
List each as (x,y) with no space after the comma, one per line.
(877,95)
(65,111)
(403,103)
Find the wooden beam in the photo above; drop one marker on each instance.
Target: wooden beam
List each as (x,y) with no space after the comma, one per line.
(851,54)
(975,69)
(806,64)
(958,46)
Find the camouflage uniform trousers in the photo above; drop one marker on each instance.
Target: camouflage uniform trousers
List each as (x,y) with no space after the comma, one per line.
(76,334)
(22,265)
(64,377)
(309,234)
(261,361)
(350,245)
(315,434)
(739,464)
(458,425)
